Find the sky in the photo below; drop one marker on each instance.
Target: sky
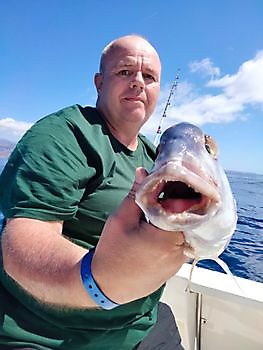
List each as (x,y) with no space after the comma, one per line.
(50,50)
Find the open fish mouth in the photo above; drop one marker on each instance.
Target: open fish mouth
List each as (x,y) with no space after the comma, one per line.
(175,195)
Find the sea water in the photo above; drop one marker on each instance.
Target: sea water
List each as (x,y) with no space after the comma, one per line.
(244,254)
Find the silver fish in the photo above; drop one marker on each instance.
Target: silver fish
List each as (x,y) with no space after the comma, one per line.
(188,190)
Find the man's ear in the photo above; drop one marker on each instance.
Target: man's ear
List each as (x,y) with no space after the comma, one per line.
(98,81)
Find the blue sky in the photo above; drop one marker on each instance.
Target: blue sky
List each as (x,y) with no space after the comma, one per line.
(50,49)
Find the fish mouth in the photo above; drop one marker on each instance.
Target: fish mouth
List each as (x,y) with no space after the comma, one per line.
(175,196)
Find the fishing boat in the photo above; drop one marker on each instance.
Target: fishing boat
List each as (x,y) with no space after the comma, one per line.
(218,311)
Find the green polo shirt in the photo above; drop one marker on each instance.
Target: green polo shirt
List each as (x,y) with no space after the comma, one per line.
(69,167)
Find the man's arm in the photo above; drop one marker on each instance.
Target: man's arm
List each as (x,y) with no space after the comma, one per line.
(43,262)
(132,259)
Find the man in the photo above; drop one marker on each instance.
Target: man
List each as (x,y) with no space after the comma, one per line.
(64,192)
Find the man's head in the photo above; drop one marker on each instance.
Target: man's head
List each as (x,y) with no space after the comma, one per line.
(128,84)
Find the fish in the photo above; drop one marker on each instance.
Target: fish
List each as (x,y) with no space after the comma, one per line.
(187,190)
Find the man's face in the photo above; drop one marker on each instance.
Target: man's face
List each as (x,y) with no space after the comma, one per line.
(129,84)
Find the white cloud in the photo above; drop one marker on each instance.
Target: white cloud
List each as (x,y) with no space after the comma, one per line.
(246,85)
(11,129)
(237,93)
(206,67)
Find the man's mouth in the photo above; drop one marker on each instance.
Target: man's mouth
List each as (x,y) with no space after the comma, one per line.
(134,99)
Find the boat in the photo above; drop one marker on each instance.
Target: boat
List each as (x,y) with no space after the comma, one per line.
(218,311)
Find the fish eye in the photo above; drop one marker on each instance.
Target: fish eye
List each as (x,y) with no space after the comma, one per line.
(211,146)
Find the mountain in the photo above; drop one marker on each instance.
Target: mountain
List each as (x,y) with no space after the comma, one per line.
(6,147)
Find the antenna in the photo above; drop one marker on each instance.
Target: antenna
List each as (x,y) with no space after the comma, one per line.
(168,103)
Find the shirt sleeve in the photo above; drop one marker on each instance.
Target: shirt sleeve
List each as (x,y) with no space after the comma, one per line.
(46,174)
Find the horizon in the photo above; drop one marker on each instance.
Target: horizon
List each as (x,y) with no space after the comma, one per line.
(52,53)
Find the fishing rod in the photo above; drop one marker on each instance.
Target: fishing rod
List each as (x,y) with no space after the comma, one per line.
(168,103)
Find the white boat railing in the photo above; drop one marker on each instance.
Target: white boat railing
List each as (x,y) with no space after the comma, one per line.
(216,314)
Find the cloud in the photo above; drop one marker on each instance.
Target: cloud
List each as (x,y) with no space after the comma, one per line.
(236,94)
(206,67)
(246,85)
(13,130)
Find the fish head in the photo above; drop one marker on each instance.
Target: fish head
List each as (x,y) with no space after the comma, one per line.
(187,190)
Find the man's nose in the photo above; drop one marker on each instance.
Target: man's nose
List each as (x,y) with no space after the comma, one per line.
(137,82)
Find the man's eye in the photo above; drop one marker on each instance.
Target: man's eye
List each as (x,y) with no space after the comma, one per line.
(149,77)
(124,72)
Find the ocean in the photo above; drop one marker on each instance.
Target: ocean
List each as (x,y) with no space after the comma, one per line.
(244,254)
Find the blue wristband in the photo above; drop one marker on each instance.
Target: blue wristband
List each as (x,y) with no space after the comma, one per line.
(91,286)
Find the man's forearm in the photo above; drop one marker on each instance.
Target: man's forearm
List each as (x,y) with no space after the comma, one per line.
(44,263)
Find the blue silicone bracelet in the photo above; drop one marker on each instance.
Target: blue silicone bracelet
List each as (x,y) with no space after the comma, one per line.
(91,286)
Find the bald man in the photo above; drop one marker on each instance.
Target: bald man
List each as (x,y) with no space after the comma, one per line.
(80,268)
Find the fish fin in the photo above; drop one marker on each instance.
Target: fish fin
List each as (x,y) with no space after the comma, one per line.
(188,287)
(229,273)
